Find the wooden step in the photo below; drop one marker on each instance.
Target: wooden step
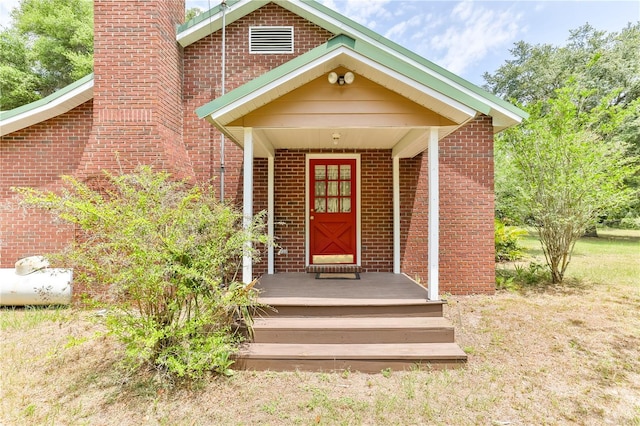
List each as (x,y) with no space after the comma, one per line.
(367,358)
(348,307)
(353,330)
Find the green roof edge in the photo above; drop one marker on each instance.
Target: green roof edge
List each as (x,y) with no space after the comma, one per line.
(46,100)
(204,16)
(268,77)
(359,46)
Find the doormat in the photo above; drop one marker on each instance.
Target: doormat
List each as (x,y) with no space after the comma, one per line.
(337,276)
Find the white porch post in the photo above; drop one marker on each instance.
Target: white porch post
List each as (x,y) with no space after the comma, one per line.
(247,205)
(270,212)
(434,217)
(396,214)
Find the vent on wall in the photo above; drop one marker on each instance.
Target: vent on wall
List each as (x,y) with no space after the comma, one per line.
(271,39)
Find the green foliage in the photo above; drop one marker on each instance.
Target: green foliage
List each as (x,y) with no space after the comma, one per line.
(18,85)
(168,256)
(507,241)
(604,69)
(522,277)
(192,13)
(565,175)
(48,46)
(630,223)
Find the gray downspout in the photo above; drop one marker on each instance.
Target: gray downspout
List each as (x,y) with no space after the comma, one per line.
(223,6)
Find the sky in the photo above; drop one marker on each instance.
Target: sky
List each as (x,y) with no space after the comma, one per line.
(467,37)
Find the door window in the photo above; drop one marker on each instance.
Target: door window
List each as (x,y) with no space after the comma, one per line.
(332,188)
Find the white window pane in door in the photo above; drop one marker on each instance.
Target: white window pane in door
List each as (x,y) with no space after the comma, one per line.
(345,189)
(321,189)
(345,172)
(332,205)
(332,191)
(345,205)
(320,205)
(320,172)
(332,172)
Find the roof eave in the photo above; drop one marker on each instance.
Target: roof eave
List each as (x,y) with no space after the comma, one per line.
(211,21)
(49,107)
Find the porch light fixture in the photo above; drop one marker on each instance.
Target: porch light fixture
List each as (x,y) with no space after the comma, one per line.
(347,78)
(336,138)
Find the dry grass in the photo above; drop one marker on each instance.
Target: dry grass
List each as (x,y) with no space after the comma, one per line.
(567,355)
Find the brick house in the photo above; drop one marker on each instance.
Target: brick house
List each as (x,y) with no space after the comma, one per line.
(365,155)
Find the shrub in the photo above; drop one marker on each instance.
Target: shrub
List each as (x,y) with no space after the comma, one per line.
(522,277)
(507,242)
(168,255)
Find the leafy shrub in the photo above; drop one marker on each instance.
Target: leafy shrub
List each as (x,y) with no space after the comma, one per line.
(532,275)
(630,223)
(168,255)
(507,242)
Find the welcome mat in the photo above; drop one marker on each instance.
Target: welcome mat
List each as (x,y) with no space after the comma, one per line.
(337,276)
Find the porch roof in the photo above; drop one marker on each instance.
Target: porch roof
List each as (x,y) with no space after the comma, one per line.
(365,60)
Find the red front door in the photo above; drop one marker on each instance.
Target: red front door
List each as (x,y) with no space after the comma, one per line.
(332,215)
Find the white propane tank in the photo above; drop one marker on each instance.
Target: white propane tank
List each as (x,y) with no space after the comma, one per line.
(32,282)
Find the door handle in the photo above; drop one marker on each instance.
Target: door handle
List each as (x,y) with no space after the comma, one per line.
(310,217)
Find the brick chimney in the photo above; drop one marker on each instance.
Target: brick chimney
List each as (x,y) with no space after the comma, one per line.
(137,106)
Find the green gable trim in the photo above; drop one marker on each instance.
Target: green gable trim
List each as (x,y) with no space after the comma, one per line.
(4,115)
(362,48)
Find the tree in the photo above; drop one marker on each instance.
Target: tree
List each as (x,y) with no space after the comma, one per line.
(167,254)
(18,84)
(48,46)
(598,61)
(565,175)
(605,71)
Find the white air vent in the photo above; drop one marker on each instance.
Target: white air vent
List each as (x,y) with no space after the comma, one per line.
(271,39)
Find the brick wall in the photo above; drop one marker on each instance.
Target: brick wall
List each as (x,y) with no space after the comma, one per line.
(36,157)
(466,211)
(289,193)
(377,211)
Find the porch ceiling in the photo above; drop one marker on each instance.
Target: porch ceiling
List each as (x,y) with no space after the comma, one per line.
(405,142)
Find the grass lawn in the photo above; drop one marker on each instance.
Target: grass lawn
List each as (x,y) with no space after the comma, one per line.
(561,355)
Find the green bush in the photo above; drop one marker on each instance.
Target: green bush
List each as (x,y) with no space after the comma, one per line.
(507,240)
(630,223)
(168,256)
(522,277)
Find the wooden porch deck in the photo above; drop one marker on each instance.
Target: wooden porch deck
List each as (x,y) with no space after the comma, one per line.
(382,320)
(371,288)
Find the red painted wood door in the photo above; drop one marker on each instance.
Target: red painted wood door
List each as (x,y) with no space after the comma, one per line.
(332,215)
